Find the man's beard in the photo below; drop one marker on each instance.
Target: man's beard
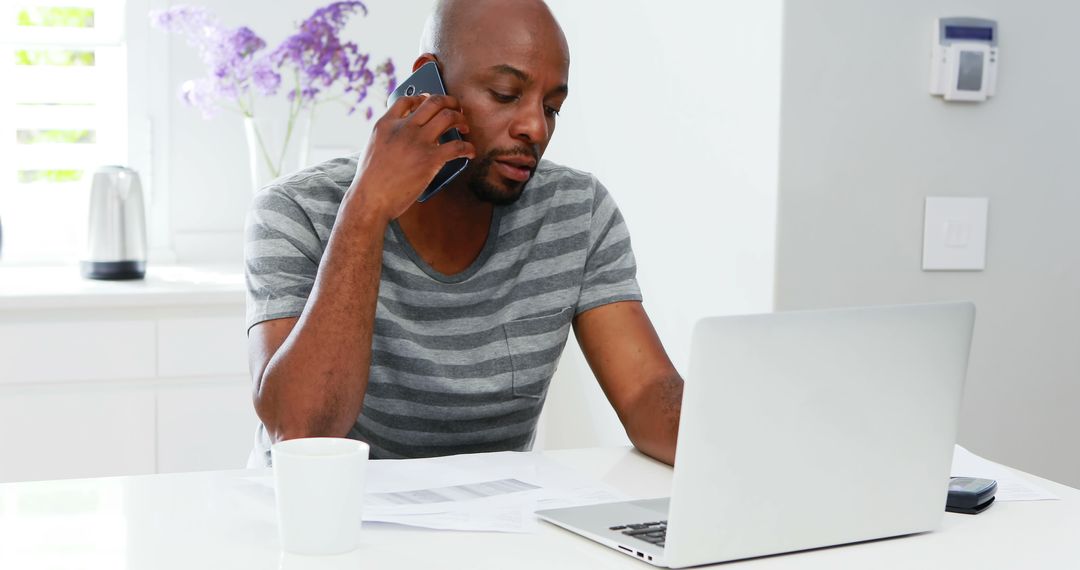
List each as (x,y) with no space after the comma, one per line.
(499,195)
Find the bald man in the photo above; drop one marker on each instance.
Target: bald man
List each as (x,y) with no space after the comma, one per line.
(434,328)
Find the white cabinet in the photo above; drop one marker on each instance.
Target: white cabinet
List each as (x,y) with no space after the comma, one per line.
(33,349)
(202,346)
(72,431)
(123,379)
(204,426)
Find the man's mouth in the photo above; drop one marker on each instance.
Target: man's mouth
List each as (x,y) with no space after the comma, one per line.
(519,169)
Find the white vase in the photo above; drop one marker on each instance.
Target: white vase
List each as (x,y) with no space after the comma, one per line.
(275,149)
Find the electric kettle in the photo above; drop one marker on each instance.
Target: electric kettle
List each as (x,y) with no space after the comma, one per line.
(116,229)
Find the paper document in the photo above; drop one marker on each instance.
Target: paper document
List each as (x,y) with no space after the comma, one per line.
(482,492)
(487,491)
(1010,485)
(449,494)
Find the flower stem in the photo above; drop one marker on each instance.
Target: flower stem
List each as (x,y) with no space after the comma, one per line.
(274,172)
(294,111)
(248,112)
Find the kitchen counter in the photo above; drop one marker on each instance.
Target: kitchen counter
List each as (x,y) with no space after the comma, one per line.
(61,287)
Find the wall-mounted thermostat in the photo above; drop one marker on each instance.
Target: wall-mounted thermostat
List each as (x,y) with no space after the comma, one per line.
(965,57)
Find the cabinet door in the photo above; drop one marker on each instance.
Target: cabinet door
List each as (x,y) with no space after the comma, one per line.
(77,351)
(205,426)
(60,432)
(202,346)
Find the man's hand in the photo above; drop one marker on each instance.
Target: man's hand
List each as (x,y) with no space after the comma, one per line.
(404,153)
(637,376)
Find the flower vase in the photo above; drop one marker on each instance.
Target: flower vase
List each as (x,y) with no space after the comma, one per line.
(276,147)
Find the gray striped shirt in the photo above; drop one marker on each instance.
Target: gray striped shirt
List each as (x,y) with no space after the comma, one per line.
(460,363)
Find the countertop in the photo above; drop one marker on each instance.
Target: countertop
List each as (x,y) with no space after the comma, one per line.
(58,287)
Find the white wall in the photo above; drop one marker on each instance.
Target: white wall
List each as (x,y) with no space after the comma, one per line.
(862,145)
(675,110)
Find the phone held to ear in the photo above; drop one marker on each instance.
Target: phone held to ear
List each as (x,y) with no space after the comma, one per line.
(427,80)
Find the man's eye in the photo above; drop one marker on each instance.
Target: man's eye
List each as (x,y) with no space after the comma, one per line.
(551,111)
(503,98)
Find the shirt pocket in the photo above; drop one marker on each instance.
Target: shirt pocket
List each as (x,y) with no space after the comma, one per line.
(535,345)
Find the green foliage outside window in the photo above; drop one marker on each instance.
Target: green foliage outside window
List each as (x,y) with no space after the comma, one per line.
(52,176)
(56,17)
(55,136)
(58,57)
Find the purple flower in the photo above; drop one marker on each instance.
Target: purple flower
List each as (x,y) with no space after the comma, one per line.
(237,63)
(323,60)
(265,78)
(198,93)
(230,55)
(187,20)
(243,42)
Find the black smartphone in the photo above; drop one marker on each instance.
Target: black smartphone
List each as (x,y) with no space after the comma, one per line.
(427,80)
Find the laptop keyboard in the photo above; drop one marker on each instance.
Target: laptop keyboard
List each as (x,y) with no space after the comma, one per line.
(652,532)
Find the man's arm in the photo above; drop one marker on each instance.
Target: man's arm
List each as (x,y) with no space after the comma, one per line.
(310,373)
(634,371)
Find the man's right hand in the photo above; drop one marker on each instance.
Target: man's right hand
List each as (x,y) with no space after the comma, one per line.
(404,154)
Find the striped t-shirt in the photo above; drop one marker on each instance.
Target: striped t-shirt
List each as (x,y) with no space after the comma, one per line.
(460,363)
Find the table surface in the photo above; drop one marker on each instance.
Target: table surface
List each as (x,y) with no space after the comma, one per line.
(206,520)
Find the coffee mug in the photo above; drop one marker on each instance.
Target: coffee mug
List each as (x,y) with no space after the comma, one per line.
(319,484)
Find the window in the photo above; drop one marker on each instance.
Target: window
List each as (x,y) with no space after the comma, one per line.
(63,112)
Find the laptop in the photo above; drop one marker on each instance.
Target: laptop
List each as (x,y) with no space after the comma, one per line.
(801,430)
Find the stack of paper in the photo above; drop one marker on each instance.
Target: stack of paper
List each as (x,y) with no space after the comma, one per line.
(491,491)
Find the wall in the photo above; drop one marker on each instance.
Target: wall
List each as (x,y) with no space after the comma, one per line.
(675,110)
(862,145)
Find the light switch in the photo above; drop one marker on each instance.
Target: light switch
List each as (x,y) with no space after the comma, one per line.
(954,234)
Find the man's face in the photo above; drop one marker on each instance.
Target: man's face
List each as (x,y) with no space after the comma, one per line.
(511,84)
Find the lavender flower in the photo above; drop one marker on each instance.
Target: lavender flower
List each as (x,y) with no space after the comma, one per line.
(230,55)
(265,78)
(237,64)
(322,59)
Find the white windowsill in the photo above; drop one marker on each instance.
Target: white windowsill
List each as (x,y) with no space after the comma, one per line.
(59,287)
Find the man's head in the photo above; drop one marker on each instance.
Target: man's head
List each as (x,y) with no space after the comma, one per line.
(508,63)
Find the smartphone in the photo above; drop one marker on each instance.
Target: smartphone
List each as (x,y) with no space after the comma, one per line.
(427,80)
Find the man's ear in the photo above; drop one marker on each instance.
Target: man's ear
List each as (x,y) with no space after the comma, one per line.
(424,58)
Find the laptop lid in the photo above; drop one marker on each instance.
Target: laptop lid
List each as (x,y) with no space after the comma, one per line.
(815,428)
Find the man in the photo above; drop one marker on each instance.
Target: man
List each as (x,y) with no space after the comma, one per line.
(434,328)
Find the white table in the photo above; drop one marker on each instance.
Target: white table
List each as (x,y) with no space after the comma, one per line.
(203,520)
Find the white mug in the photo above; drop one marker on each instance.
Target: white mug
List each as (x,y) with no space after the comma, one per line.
(319,484)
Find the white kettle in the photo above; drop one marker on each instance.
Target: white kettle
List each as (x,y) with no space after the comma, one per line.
(116,230)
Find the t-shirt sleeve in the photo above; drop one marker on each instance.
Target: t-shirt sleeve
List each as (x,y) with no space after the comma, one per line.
(281,257)
(610,269)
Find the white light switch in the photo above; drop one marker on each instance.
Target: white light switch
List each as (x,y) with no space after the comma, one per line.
(954,235)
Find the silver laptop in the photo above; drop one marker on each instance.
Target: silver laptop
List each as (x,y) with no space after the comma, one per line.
(801,430)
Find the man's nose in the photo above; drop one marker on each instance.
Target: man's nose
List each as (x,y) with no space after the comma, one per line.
(530,124)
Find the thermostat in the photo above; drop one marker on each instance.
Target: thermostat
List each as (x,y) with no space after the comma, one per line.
(963,65)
